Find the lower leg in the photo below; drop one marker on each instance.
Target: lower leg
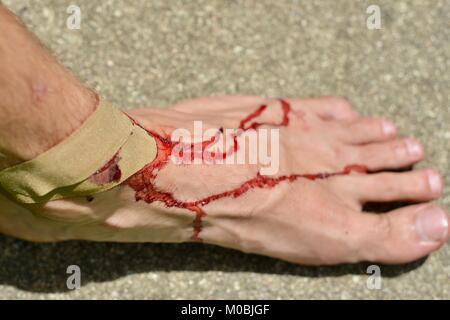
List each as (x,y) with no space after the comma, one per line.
(41,102)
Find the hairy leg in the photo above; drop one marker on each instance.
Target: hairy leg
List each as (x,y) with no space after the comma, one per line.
(41,102)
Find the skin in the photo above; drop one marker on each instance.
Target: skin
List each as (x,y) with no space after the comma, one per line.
(308,222)
(41,102)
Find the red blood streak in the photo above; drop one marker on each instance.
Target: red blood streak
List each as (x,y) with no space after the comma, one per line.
(109,172)
(143,181)
(286,108)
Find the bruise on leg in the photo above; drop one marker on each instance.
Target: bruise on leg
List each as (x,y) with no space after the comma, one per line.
(39,92)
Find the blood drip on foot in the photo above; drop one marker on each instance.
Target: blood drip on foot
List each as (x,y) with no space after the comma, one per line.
(143,182)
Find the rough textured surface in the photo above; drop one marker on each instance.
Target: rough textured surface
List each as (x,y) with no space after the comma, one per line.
(157,52)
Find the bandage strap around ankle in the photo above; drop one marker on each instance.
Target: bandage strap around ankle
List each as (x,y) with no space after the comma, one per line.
(64,170)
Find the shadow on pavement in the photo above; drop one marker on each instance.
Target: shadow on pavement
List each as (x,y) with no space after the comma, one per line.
(42,267)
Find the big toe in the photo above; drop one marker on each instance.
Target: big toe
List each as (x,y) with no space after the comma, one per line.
(405,234)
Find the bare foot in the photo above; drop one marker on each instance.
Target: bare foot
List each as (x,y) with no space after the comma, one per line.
(309,212)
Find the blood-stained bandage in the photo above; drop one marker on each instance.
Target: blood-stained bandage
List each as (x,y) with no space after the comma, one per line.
(104,152)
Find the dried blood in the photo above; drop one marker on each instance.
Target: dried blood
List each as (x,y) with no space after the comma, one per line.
(109,172)
(143,181)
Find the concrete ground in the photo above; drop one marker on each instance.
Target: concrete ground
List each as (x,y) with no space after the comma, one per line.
(156,52)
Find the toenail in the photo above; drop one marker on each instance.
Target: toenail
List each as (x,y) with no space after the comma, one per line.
(434,180)
(388,128)
(432,224)
(414,149)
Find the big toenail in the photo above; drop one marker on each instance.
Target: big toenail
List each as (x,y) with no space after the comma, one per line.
(388,128)
(432,224)
(434,180)
(414,149)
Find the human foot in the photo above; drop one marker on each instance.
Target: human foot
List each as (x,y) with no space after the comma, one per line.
(309,212)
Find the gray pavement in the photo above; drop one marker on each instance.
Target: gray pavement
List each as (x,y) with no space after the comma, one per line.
(153,53)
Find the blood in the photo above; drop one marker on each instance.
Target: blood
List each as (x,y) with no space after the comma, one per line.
(286,108)
(143,181)
(109,172)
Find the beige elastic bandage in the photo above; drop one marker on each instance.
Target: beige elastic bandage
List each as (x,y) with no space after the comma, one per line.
(67,169)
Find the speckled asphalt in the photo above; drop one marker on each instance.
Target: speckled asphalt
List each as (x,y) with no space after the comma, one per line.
(153,53)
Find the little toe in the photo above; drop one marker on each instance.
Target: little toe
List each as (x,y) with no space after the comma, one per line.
(327,108)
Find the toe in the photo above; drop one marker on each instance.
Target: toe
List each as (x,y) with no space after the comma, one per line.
(327,108)
(393,154)
(403,235)
(367,130)
(420,185)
